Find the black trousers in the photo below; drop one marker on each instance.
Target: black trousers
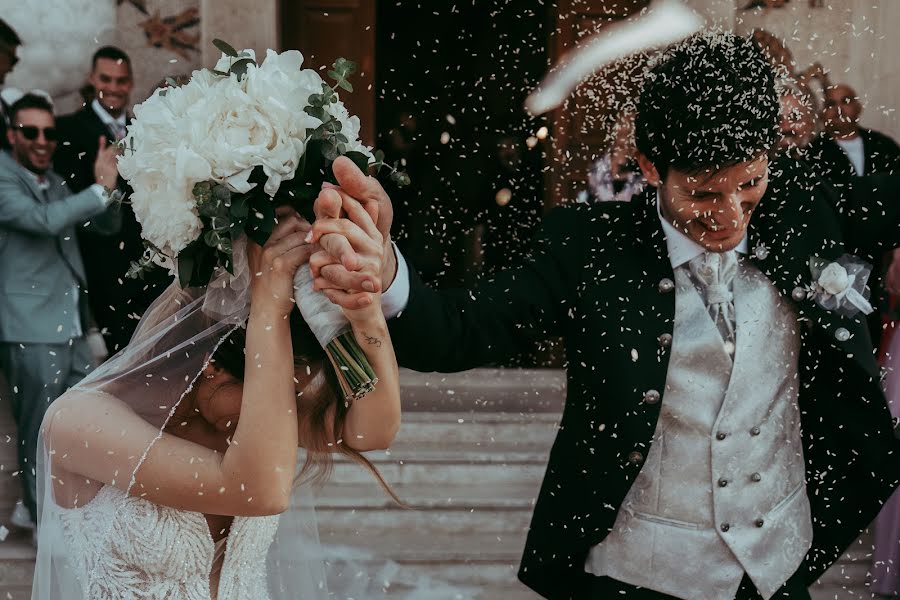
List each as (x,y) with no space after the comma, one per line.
(605,588)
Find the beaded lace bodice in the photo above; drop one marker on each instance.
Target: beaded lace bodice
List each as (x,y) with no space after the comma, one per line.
(130,548)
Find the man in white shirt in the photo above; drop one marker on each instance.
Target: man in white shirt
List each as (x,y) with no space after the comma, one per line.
(725,434)
(116,301)
(846,150)
(43,311)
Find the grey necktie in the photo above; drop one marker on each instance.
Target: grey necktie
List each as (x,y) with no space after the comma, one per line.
(714,274)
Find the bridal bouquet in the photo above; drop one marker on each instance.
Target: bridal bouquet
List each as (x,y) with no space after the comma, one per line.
(210,160)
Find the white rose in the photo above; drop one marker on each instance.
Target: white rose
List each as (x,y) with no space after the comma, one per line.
(834,279)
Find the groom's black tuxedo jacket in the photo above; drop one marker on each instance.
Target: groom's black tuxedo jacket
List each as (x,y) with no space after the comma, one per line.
(593,277)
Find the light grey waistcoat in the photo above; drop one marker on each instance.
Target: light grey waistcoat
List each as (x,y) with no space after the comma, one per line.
(722,492)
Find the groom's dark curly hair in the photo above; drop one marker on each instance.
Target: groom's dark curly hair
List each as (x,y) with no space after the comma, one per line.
(707,103)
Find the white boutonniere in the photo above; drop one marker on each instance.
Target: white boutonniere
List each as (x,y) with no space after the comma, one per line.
(840,285)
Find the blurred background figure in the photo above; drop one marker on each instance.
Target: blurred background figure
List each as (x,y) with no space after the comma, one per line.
(9,45)
(798,120)
(44,316)
(616,176)
(845,149)
(116,301)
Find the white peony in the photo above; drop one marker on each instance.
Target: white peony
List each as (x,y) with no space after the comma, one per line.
(834,279)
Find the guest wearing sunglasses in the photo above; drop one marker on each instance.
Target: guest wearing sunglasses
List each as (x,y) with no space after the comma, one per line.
(9,43)
(44,315)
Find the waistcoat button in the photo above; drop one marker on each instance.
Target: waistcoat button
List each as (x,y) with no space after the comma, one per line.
(756,477)
(665,340)
(723,482)
(651,396)
(759,523)
(754,431)
(721,436)
(635,458)
(725,527)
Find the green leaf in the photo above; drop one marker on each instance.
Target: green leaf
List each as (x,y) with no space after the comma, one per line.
(205,266)
(171,81)
(240,207)
(225,47)
(330,150)
(344,66)
(379,156)
(222,193)
(345,85)
(261,219)
(240,67)
(211,238)
(400,178)
(335,75)
(316,111)
(185,269)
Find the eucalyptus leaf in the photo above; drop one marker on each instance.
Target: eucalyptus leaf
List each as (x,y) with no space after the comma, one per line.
(345,85)
(240,207)
(225,47)
(185,270)
(240,67)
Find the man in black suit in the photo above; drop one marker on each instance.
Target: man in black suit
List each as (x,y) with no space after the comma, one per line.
(845,150)
(9,44)
(116,301)
(725,434)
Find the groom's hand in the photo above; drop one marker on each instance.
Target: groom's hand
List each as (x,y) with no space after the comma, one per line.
(342,273)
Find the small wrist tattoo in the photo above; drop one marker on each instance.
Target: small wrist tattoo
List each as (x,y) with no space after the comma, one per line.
(372,340)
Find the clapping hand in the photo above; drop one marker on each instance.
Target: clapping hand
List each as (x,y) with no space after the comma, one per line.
(106,169)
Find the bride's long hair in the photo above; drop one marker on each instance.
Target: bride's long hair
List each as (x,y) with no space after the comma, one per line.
(314,403)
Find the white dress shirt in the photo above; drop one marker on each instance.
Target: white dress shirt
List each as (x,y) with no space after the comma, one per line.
(116,125)
(855,152)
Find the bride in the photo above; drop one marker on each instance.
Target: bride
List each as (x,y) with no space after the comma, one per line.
(172,472)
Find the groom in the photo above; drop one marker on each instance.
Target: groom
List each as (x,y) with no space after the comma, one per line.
(724,435)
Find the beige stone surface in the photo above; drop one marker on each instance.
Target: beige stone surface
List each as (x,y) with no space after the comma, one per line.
(242,24)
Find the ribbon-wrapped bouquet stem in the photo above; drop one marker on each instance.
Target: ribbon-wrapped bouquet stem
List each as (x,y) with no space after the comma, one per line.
(209,161)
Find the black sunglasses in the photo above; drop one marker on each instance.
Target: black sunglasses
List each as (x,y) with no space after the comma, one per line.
(31,132)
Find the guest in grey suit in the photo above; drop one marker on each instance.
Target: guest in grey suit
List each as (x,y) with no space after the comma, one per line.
(43,311)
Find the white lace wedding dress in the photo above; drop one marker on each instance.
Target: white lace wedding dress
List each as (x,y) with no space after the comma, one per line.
(155,552)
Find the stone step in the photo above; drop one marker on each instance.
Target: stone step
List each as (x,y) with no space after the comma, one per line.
(443,470)
(471,496)
(484,390)
(480,430)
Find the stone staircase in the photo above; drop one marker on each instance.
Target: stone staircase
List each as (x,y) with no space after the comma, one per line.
(468,461)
